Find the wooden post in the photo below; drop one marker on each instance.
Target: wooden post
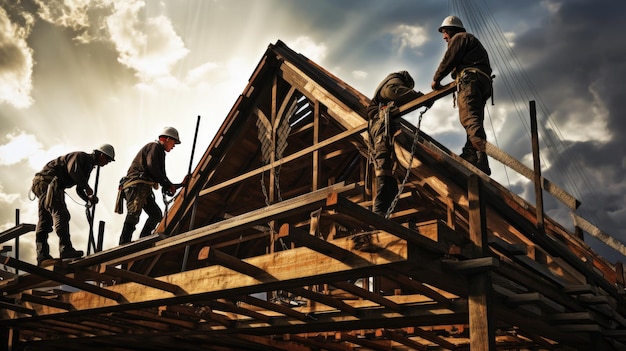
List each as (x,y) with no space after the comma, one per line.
(316,139)
(17,238)
(536,166)
(482,333)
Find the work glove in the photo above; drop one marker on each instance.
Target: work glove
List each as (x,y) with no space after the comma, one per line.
(92,200)
(185,181)
(170,190)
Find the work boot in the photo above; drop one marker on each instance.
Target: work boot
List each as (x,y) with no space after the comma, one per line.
(43,252)
(483,163)
(70,252)
(469,155)
(148,227)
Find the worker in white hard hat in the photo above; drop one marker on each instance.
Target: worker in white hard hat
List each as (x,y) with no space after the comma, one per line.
(147,171)
(468,62)
(49,184)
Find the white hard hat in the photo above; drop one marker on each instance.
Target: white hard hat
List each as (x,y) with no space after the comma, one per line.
(170,132)
(451,21)
(108,150)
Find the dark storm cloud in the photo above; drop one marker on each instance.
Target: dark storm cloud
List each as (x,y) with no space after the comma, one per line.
(578,64)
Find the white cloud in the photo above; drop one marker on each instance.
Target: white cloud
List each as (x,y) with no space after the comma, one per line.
(359,74)
(307,47)
(20,147)
(409,37)
(150,47)
(65,13)
(16,66)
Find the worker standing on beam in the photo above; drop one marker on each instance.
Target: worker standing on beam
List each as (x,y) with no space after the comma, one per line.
(146,172)
(395,90)
(468,61)
(49,186)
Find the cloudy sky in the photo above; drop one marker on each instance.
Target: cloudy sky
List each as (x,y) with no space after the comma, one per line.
(78,73)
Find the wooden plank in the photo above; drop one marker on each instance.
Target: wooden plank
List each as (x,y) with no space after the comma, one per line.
(277,270)
(535,297)
(597,233)
(16,231)
(473,266)
(553,189)
(427,98)
(225,228)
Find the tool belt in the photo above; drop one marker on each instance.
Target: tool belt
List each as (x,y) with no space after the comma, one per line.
(477,71)
(52,186)
(126,183)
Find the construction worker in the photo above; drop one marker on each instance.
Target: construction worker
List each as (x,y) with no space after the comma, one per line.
(392,92)
(49,185)
(147,171)
(468,62)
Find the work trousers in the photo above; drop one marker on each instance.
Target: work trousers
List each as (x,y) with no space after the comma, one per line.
(51,211)
(381,140)
(474,89)
(140,197)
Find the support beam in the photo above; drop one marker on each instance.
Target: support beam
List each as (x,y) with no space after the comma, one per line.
(482,331)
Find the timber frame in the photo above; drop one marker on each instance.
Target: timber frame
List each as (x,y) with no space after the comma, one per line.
(257,253)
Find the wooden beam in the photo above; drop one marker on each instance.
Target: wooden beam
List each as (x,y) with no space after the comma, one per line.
(18,308)
(426,98)
(288,311)
(553,189)
(32,269)
(481,323)
(367,295)
(217,257)
(305,239)
(24,297)
(140,278)
(16,231)
(400,338)
(597,233)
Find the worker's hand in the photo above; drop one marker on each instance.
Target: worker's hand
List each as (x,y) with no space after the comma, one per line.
(171,190)
(435,85)
(185,181)
(92,200)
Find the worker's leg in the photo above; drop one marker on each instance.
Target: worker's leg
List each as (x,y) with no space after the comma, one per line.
(386,190)
(135,199)
(61,217)
(154,215)
(473,94)
(44,223)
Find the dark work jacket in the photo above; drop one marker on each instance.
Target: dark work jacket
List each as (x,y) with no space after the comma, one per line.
(72,169)
(464,50)
(149,164)
(397,87)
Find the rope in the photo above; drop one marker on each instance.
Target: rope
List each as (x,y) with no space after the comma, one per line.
(408,168)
